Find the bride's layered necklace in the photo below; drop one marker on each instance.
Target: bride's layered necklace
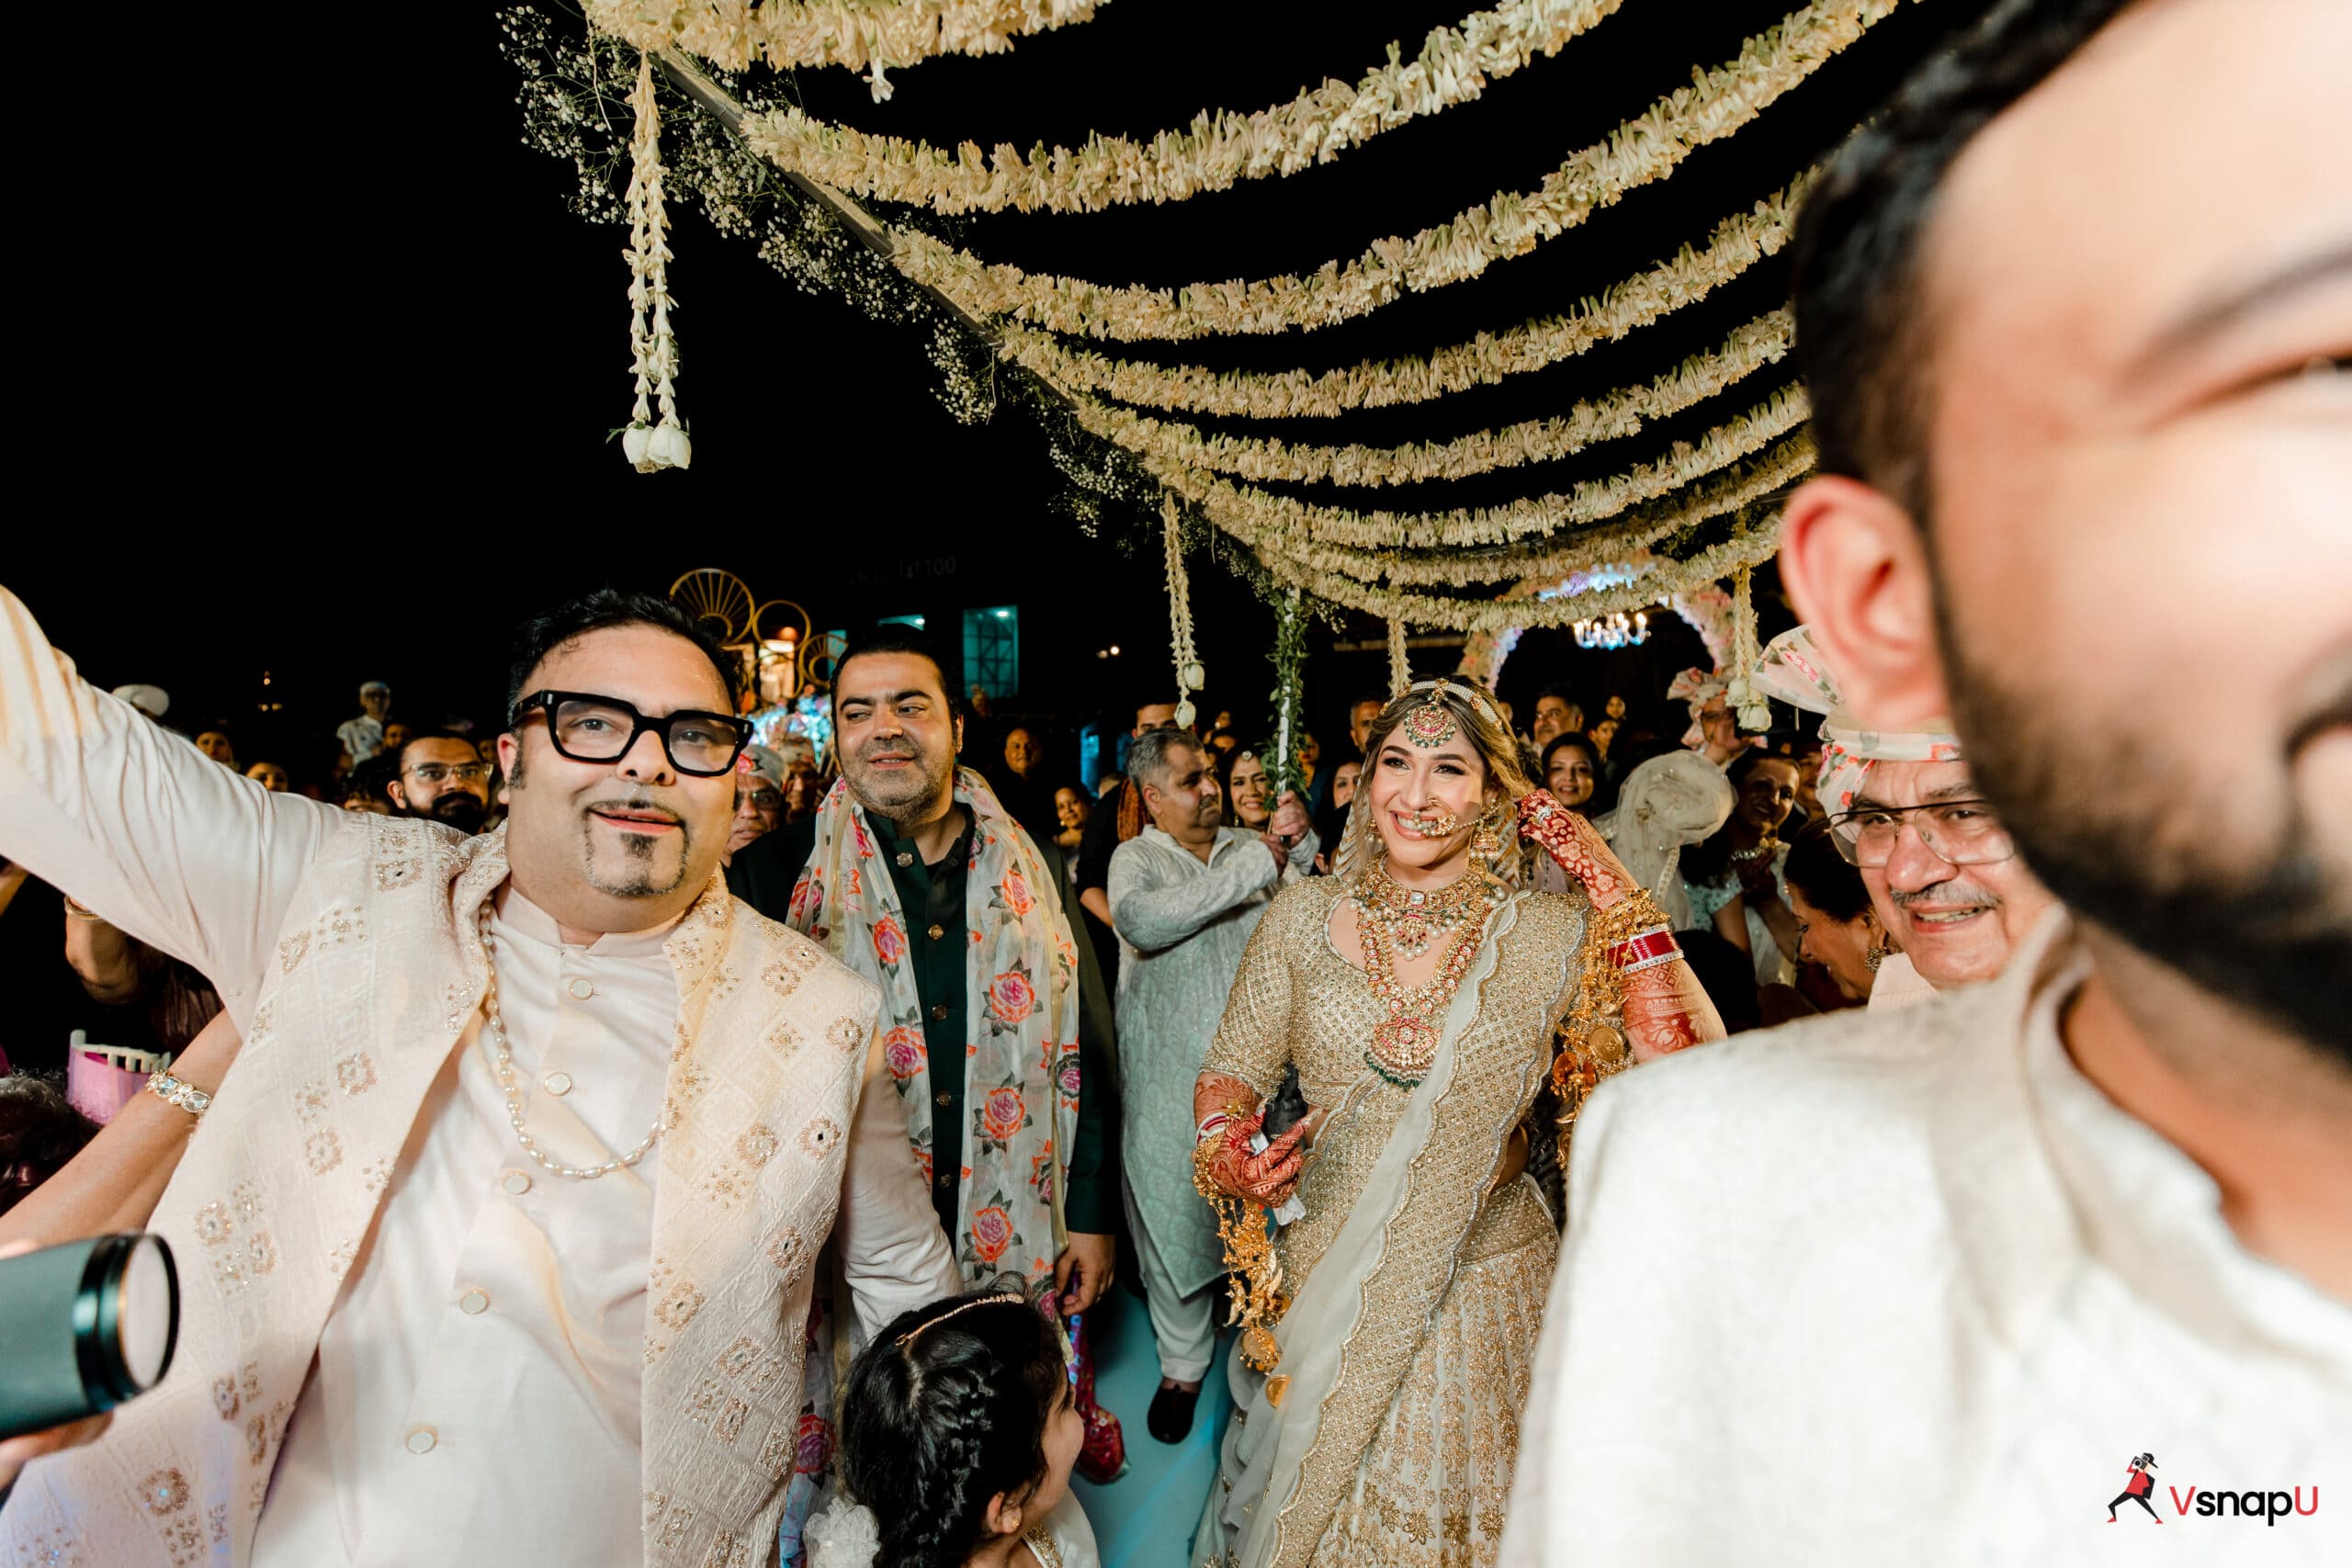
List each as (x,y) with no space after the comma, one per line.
(1398,923)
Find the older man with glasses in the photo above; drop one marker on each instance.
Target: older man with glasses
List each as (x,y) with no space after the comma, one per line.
(1942,872)
(443,779)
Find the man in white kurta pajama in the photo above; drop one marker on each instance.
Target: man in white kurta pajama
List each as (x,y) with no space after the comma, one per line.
(1920,1287)
(416,1342)
(1183,909)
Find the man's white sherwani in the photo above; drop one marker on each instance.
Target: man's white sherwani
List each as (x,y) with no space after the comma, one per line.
(1906,1288)
(1182,923)
(479,1360)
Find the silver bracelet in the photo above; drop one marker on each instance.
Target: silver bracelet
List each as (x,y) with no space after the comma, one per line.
(174,1093)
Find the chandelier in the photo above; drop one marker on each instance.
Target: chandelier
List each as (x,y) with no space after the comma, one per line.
(1619,630)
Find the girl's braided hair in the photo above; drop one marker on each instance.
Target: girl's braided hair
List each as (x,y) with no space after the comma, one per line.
(946,1408)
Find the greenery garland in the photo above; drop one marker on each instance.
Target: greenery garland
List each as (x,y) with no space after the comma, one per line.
(1289,691)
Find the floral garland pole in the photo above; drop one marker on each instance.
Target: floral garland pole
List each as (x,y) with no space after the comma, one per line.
(860,35)
(1190,677)
(1709,611)
(1400,665)
(1736,244)
(650,447)
(1290,690)
(1754,707)
(1217,152)
(1484,653)
(1639,152)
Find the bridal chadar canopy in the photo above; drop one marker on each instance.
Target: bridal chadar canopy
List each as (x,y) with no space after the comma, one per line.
(1461,318)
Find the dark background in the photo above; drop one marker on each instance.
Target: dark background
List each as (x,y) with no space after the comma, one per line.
(335,368)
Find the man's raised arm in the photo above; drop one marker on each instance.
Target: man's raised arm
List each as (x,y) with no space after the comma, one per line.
(140,826)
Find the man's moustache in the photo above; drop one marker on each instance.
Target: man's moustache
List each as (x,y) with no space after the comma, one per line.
(1953,893)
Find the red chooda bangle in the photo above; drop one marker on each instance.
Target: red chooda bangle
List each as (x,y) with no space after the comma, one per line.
(1645,951)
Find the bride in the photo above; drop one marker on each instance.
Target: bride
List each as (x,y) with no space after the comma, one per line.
(1417,991)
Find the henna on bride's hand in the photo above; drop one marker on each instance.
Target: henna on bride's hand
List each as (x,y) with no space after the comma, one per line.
(1665,1009)
(1576,845)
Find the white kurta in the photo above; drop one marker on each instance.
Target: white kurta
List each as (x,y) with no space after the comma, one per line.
(499,1314)
(1909,1289)
(1182,923)
(477,1394)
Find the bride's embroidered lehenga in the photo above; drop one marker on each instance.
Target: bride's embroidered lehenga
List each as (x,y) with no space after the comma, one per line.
(1415,1292)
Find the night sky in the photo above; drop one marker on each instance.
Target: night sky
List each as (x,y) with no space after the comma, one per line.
(350,369)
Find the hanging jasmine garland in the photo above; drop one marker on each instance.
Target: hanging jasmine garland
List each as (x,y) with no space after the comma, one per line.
(1400,669)
(648,446)
(1190,677)
(1754,708)
(1290,694)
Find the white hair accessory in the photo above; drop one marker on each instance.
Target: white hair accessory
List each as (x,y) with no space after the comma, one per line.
(846,1535)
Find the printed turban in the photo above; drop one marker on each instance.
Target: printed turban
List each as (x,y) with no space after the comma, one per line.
(1698,688)
(1793,670)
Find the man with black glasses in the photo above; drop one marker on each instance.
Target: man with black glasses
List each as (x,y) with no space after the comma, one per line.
(496,1238)
(443,779)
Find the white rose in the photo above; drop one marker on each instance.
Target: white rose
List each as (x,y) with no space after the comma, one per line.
(670,448)
(633,442)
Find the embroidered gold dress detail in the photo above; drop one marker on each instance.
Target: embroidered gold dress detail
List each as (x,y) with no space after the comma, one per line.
(1415,1292)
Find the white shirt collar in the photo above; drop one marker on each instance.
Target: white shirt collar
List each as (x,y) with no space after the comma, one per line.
(528,921)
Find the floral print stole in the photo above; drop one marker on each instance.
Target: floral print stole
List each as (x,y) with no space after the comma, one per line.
(1021,1075)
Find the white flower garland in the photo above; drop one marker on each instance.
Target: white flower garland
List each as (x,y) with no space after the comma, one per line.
(1755,709)
(1589,548)
(858,34)
(1264,519)
(1218,151)
(1737,244)
(1621,413)
(1190,677)
(1659,580)
(1642,150)
(649,446)
(1400,665)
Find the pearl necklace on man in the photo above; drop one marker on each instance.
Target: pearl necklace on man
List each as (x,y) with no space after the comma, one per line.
(493,1029)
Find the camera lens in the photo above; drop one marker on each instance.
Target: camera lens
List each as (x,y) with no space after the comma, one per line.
(83,1327)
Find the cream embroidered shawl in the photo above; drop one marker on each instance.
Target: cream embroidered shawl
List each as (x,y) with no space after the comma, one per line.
(379,970)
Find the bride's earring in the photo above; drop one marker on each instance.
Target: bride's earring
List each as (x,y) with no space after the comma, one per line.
(1486,845)
(1877,953)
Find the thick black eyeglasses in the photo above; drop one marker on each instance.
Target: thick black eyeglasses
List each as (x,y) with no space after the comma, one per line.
(590,728)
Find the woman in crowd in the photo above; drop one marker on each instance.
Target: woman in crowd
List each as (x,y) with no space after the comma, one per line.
(1334,820)
(1249,792)
(1572,772)
(958,1434)
(1838,928)
(1416,992)
(1735,876)
(1071,808)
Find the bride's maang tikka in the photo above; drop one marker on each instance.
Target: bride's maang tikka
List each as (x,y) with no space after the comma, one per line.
(1431,725)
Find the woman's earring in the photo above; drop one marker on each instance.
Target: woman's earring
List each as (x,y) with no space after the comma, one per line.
(1877,954)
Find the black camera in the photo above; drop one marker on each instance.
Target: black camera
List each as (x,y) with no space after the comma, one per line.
(83,1327)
